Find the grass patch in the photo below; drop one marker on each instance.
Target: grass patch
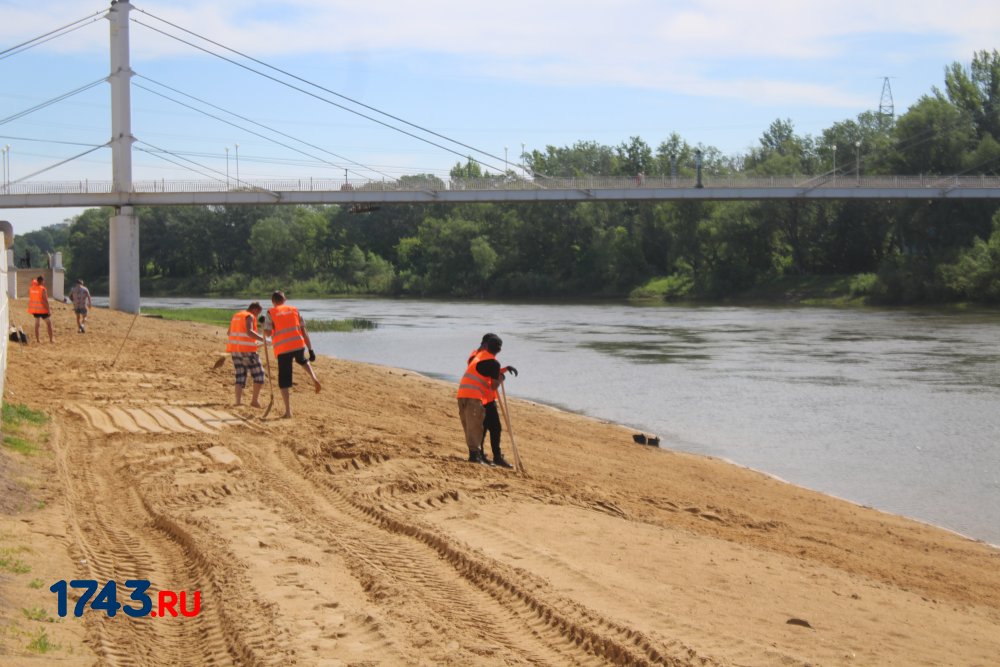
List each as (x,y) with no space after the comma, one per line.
(219,317)
(20,445)
(21,426)
(16,413)
(36,583)
(222,316)
(9,562)
(353,324)
(41,643)
(36,614)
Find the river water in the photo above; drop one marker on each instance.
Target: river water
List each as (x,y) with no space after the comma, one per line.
(893,409)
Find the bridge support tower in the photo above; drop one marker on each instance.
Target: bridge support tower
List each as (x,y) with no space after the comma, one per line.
(123,281)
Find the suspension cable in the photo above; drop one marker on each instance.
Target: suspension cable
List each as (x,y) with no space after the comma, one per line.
(52,101)
(249,120)
(52,34)
(316,85)
(321,98)
(59,164)
(46,141)
(161,152)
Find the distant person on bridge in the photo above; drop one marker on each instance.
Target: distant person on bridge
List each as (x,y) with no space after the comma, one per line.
(38,306)
(80,296)
(243,339)
(291,341)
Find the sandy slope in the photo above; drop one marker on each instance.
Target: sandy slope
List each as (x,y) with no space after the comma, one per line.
(355,534)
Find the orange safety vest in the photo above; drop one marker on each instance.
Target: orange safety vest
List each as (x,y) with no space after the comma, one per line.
(474,385)
(38,299)
(286,335)
(239,339)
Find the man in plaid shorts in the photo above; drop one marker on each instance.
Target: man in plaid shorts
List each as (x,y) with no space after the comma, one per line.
(243,339)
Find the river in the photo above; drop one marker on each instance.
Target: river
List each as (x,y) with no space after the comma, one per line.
(894,409)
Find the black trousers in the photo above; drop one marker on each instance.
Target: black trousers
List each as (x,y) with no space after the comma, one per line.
(491,422)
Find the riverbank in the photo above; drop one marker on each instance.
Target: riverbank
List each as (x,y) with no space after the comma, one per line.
(356,532)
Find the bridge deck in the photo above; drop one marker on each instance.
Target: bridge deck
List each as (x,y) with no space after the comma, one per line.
(314,191)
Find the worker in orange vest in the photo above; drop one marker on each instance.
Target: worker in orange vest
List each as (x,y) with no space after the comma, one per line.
(38,306)
(243,339)
(477,406)
(290,341)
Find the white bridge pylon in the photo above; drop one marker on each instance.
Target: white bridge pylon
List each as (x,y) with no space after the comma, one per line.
(123,281)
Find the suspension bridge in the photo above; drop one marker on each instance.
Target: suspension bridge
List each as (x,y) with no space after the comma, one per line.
(368,186)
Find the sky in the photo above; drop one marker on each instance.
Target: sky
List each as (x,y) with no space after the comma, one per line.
(497,78)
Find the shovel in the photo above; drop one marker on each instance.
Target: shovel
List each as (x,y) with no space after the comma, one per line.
(270,385)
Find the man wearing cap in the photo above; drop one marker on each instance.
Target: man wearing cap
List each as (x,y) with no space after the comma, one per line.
(477,406)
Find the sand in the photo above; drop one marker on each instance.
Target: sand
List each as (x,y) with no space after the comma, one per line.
(357,534)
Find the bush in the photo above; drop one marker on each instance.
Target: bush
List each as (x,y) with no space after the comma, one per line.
(863,284)
(675,286)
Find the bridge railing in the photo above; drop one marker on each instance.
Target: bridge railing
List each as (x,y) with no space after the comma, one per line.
(501,183)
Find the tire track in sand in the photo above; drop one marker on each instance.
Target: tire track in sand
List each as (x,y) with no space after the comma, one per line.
(117,535)
(563,631)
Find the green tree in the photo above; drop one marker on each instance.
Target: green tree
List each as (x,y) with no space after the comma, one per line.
(584,158)
(273,246)
(976,91)
(88,244)
(932,137)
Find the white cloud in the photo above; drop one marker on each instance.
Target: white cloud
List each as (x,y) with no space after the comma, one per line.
(635,43)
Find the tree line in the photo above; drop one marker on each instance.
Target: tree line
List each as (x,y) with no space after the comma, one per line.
(894,251)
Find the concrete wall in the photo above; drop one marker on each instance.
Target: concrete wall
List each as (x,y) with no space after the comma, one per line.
(18,281)
(8,240)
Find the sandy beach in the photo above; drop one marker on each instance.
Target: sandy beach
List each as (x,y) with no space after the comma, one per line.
(357,534)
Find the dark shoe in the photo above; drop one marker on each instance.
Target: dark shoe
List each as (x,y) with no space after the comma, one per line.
(477,457)
(501,462)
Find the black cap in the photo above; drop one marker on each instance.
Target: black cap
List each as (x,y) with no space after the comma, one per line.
(492,343)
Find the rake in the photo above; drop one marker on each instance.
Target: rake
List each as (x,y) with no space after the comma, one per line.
(506,417)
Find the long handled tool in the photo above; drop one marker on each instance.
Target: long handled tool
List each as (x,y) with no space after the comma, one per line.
(270,384)
(510,431)
(125,339)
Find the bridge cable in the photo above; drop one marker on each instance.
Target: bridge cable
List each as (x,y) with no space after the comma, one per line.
(59,164)
(48,36)
(161,152)
(316,85)
(47,141)
(323,99)
(249,120)
(52,101)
